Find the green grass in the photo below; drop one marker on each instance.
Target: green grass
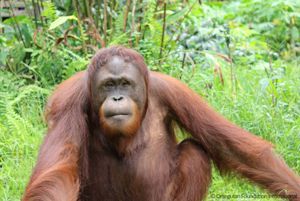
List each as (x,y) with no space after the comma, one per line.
(256,110)
(271,111)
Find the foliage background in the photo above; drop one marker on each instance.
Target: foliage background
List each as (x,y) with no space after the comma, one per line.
(242,56)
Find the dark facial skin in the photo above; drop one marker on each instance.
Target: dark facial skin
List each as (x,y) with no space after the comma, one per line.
(119,95)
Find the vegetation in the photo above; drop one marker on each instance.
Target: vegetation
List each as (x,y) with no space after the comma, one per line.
(240,55)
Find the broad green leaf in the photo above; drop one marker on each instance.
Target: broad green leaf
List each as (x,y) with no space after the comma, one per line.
(295,33)
(61,20)
(174,17)
(3,56)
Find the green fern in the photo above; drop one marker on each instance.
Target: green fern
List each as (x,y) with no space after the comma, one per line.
(49,10)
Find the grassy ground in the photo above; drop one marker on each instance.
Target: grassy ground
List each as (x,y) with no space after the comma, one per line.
(268,109)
